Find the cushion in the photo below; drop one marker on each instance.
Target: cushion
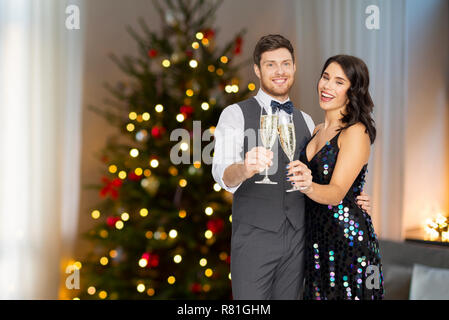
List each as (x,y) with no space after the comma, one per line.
(396,281)
(429,283)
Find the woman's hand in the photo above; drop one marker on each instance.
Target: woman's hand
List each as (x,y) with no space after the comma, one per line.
(300,176)
(364,202)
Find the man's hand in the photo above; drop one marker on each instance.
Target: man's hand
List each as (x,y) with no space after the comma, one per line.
(300,176)
(364,201)
(256,160)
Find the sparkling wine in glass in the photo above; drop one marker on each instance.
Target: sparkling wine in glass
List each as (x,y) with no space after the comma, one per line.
(287,138)
(268,133)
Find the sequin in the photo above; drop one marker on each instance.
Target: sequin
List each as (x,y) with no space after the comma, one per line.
(345,235)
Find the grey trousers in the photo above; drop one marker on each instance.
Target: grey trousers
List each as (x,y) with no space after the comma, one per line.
(265,264)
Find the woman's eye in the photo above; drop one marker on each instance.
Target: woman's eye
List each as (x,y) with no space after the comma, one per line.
(339,82)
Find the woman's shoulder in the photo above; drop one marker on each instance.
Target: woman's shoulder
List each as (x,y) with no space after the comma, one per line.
(355,132)
(356,129)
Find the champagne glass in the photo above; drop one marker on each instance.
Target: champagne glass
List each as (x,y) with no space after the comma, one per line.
(268,128)
(287,138)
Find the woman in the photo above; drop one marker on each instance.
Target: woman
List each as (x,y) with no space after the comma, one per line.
(340,239)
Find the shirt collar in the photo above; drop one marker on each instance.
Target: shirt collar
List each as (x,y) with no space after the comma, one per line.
(265,98)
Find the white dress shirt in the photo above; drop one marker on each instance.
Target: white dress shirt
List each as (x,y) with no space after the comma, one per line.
(229,135)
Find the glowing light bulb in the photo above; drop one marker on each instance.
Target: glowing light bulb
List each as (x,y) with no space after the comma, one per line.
(143,212)
(184,146)
(166,63)
(180,117)
(154,163)
(130,127)
(171,280)
(203,262)
(159,108)
(173,233)
(119,225)
(95,214)
(193,63)
(208,234)
(146,116)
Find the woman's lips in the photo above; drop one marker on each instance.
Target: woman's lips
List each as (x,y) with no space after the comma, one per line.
(326,97)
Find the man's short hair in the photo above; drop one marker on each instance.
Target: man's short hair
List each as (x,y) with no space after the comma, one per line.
(269,43)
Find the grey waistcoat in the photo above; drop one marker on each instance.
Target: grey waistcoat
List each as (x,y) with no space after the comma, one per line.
(266,206)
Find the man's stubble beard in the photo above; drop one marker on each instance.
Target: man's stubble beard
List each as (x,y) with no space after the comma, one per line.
(276,94)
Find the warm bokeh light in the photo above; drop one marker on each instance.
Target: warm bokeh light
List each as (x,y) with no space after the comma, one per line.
(134,152)
(159,108)
(171,280)
(182,214)
(143,212)
(166,63)
(154,163)
(95,214)
(209,211)
(182,183)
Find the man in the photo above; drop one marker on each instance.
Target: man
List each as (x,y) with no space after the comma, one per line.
(267,240)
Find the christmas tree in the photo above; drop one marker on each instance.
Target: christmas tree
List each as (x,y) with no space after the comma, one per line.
(162,229)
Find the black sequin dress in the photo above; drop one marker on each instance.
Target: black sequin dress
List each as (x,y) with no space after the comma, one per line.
(342,259)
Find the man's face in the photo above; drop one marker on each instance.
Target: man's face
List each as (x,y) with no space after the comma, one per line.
(276,72)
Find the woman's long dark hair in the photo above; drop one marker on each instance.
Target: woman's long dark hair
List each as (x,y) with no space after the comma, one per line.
(360,104)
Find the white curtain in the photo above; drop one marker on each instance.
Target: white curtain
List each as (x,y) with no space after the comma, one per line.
(40,101)
(330,27)
(407,59)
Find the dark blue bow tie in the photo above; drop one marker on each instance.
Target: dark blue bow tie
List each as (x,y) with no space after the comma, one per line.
(287,106)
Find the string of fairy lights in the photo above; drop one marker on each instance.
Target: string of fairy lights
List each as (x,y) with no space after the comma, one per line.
(160,234)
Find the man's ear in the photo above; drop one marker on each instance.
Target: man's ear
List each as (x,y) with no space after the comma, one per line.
(257,71)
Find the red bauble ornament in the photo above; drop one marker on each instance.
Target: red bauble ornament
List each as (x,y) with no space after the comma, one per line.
(152,259)
(186,111)
(152,53)
(157,131)
(208,33)
(134,177)
(111,187)
(238,45)
(215,225)
(195,287)
(111,221)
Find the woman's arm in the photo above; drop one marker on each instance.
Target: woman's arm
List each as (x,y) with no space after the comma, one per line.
(353,155)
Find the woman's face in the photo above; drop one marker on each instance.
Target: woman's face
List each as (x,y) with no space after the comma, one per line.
(333,87)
